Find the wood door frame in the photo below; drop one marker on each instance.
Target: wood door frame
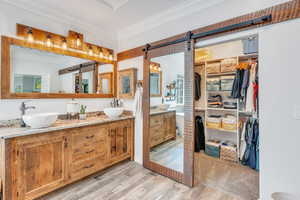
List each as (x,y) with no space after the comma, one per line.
(187,176)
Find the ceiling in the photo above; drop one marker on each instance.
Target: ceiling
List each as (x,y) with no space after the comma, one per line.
(112,14)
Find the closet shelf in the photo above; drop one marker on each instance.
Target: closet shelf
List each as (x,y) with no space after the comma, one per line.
(223,130)
(222,109)
(250,56)
(221,74)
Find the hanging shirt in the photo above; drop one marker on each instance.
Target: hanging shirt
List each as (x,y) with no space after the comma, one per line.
(199,134)
(197,86)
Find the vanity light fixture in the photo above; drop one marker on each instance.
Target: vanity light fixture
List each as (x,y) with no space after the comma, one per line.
(64,43)
(49,42)
(30,37)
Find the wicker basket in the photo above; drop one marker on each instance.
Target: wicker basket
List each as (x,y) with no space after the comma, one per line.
(213,123)
(228,65)
(228,153)
(213,68)
(229,123)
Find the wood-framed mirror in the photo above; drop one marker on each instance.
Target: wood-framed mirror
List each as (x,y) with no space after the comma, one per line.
(168,143)
(32,70)
(155,80)
(127,79)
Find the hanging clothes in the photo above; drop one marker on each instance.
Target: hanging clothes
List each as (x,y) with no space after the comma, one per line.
(255,95)
(237,84)
(243,144)
(199,134)
(197,86)
(245,84)
(250,91)
(250,157)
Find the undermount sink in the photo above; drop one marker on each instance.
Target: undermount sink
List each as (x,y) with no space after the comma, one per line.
(113,112)
(42,120)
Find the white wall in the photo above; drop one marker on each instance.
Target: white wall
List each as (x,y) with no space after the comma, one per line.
(137,63)
(9,16)
(279,101)
(158,28)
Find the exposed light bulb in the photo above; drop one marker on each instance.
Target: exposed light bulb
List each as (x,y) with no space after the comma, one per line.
(90,51)
(111,57)
(78,41)
(64,44)
(101,55)
(30,37)
(48,41)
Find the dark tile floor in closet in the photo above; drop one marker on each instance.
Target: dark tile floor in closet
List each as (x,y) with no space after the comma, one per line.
(130,181)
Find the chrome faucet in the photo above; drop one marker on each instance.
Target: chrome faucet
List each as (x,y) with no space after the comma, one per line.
(115,103)
(23,109)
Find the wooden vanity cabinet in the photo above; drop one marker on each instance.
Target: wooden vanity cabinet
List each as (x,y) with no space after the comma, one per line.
(119,138)
(39,165)
(162,128)
(35,165)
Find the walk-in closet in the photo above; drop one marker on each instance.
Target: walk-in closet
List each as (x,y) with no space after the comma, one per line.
(227,116)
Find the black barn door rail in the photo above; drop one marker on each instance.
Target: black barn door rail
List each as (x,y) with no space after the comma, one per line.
(190,35)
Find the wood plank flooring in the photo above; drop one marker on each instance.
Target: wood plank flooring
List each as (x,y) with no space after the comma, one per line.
(130,181)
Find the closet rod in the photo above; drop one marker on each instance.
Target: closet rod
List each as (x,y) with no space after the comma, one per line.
(190,35)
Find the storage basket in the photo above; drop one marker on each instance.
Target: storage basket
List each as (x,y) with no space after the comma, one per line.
(226,83)
(213,68)
(229,123)
(228,65)
(213,84)
(228,153)
(212,148)
(214,122)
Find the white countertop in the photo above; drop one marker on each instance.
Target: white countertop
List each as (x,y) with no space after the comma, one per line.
(12,132)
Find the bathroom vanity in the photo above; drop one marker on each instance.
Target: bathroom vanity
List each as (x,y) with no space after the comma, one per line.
(35,162)
(163,127)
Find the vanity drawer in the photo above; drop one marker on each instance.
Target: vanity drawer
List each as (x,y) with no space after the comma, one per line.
(155,120)
(88,152)
(88,135)
(87,167)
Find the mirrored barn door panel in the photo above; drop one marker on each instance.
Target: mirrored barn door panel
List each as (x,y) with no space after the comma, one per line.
(166,134)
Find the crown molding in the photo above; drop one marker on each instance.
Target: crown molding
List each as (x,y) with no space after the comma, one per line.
(187,8)
(60,17)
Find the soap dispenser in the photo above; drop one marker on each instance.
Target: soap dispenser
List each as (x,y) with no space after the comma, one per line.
(73,109)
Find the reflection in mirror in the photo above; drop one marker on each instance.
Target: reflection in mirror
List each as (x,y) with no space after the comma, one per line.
(105,79)
(166,111)
(35,71)
(155,79)
(125,84)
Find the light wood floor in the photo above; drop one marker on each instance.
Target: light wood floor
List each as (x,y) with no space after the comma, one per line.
(169,154)
(130,181)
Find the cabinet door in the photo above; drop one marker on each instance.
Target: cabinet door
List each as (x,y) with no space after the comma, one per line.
(41,165)
(119,139)
(170,126)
